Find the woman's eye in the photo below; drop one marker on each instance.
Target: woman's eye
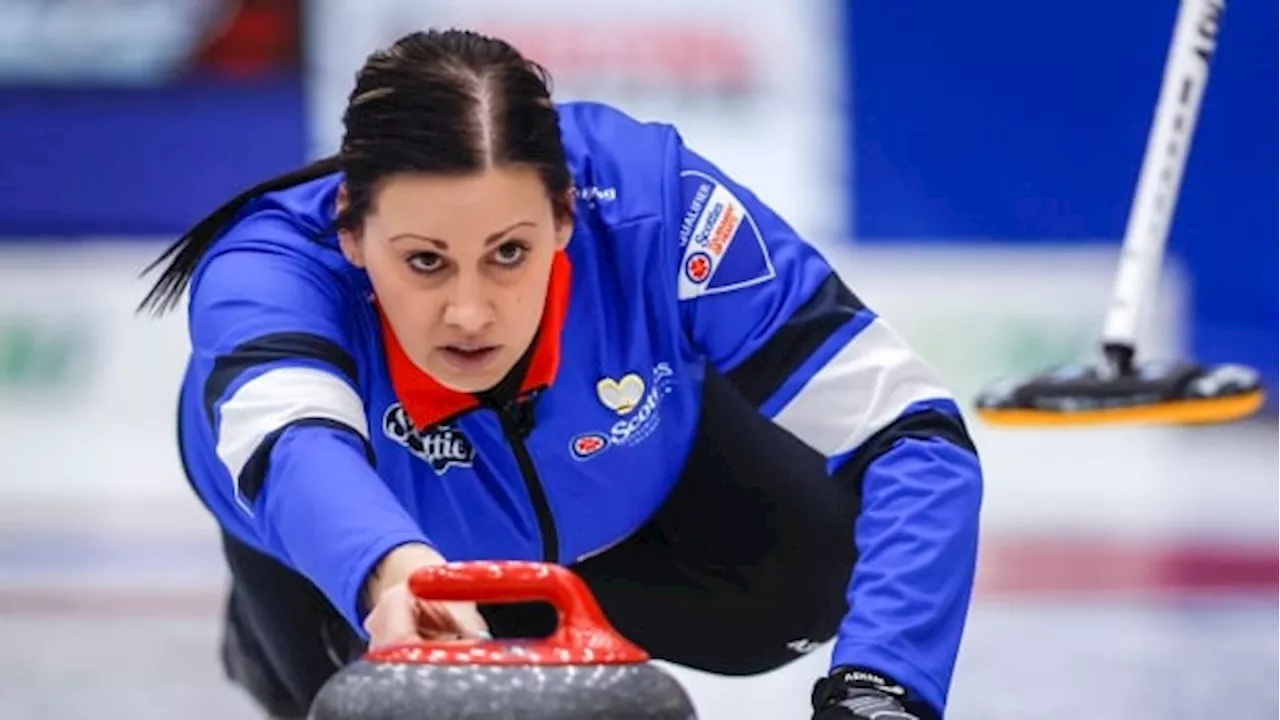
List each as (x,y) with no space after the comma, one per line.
(510,253)
(425,262)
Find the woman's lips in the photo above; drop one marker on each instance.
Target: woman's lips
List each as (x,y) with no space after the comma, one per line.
(469,358)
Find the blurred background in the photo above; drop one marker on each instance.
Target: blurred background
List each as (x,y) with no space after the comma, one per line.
(967,166)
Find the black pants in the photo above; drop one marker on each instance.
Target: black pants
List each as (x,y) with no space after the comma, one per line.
(746,560)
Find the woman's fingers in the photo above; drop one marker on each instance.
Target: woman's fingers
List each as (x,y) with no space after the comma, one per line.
(399,617)
(451,619)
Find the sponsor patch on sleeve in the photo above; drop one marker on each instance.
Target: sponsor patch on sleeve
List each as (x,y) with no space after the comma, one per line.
(723,248)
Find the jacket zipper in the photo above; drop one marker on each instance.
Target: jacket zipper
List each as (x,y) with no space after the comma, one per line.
(515,429)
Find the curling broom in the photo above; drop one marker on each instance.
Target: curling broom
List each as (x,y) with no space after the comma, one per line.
(1119,389)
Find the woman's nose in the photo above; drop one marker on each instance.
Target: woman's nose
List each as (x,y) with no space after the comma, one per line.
(468,311)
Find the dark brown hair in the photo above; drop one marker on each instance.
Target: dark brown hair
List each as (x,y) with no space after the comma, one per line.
(448,102)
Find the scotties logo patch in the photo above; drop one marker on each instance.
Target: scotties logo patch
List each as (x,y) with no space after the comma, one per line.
(638,405)
(441,446)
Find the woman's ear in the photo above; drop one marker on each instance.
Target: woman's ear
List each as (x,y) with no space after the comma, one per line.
(564,220)
(348,240)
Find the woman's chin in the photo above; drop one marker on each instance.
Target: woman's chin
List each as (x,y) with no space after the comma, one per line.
(468,380)
(468,385)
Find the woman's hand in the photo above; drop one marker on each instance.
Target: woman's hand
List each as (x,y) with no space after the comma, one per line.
(398,616)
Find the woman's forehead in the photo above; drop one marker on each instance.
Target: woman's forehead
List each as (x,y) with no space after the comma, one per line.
(485,189)
(455,207)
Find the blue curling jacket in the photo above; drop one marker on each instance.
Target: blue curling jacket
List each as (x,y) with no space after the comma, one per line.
(311,437)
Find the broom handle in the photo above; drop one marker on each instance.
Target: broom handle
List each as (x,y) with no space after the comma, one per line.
(1186,73)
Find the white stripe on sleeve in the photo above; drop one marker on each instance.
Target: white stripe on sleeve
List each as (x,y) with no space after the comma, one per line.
(864,388)
(277,398)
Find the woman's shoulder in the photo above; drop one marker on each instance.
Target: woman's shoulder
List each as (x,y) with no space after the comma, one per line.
(282,238)
(620,164)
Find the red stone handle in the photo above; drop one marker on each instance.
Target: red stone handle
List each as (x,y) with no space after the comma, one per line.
(583,635)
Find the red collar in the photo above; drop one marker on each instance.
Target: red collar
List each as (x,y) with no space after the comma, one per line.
(428,403)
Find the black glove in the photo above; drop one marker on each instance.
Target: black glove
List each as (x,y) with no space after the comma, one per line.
(858,694)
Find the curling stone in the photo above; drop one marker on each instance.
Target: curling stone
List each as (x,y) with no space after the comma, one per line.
(584,669)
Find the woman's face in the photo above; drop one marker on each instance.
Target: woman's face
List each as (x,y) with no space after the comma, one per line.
(460,267)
